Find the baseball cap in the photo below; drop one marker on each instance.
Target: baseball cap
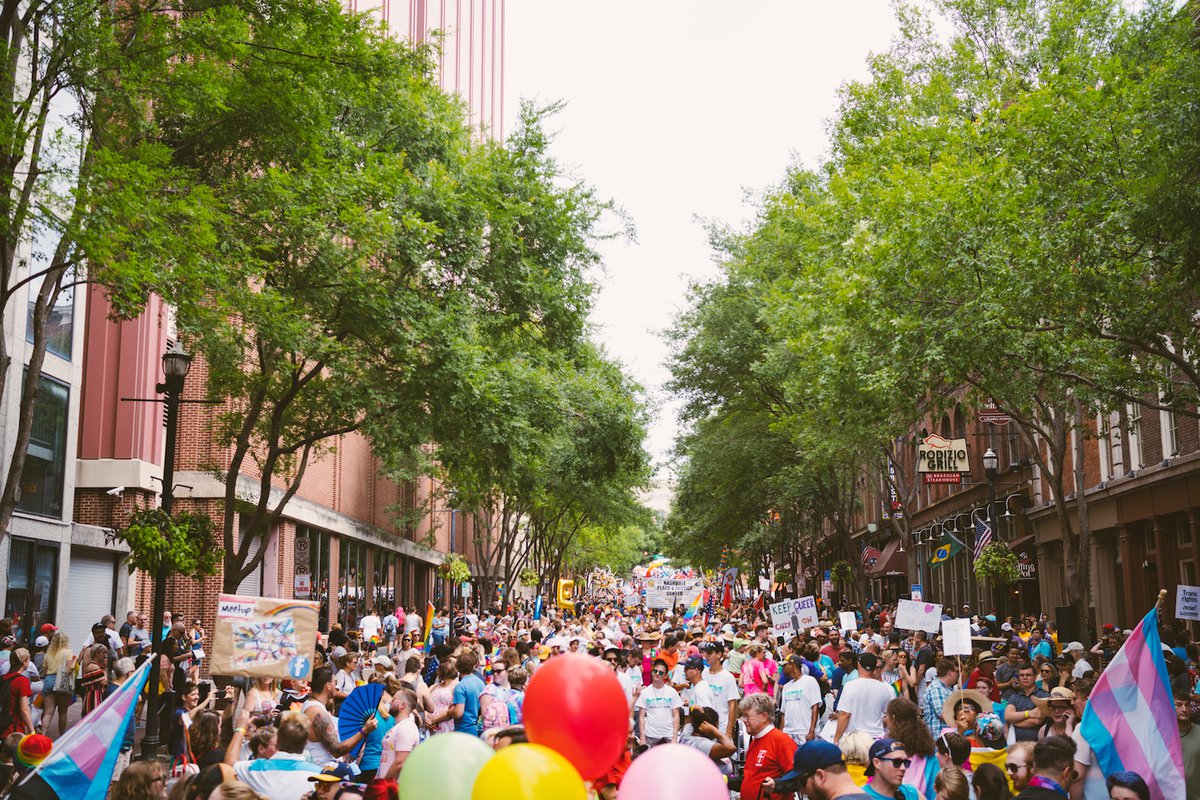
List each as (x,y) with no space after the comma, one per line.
(47,628)
(695,662)
(810,757)
(880,750)
(333,773)
(41,641)
(711,647)
(868,661)
(544,652)
(383,661)
(1074,646)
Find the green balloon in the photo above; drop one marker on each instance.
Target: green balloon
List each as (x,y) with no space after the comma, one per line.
(443,766)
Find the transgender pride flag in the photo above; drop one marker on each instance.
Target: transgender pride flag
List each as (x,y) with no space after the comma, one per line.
(81,765)
(1130,716)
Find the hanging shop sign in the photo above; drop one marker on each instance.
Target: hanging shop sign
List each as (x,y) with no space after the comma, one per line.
(991,413)
(942,460)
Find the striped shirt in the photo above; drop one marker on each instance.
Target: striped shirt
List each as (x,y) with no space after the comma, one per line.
(932,703)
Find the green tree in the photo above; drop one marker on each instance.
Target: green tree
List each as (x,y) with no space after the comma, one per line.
(88,193)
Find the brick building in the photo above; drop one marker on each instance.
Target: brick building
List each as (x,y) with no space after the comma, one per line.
(339,540)
(1142,471)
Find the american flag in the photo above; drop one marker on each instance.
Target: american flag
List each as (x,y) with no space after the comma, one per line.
(870,557)
(983,536)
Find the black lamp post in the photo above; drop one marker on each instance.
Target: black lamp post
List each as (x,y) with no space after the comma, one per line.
(990,463)
(176,364)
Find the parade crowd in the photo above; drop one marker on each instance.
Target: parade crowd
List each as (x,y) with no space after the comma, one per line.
(854,714)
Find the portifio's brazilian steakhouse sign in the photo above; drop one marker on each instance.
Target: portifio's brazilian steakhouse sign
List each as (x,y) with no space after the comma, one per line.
(942,460)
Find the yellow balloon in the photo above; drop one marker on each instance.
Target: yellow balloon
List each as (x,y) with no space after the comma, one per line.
(528,772)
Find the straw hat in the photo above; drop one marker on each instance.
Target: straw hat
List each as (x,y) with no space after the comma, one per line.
(973,696)
(648,636)
(1059,693)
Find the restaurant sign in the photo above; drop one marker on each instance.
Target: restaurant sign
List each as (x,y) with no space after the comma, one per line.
(942,460)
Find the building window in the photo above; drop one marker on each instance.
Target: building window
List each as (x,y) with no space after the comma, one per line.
(1151,538)
(384,593)
(1134,439)
(46,456)
(32,584)
(312,545)
(60,326)
(1104,436)
(1183,531)
(352,592)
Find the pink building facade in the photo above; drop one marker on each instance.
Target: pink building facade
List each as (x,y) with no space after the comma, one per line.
(340,540)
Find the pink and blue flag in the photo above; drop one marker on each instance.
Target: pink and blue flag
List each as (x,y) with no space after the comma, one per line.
(1130,716)
(81,765)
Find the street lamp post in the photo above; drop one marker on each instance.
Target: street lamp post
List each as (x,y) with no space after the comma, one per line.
(990,463)
(176,364)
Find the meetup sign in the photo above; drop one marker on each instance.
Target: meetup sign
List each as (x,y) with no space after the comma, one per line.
(942,460)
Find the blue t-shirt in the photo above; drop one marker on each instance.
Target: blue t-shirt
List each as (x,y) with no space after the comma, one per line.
(904,792)
(374,744)
(1042,648)
(468,691)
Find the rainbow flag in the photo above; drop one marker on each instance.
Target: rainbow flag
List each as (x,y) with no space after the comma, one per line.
(428,627)
(82,762)
(897,686)
(694,607)
(1130,717)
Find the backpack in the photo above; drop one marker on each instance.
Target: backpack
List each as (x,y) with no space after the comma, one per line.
(389,625)
(495,714)
(6,710)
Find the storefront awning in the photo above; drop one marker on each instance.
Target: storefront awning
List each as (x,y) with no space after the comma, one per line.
(1023,542)
(893,561)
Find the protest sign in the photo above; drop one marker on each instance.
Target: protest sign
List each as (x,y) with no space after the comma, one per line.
(1187,602)
(264,637)
(849,622)
(790,617)
(914,616)
(956,637)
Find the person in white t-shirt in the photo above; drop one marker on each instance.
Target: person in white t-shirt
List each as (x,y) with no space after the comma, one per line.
(403,736)
(612,657)
(723,686)
(369,626)
(862,703)
(412,622)
(697,694)
(800,699)
(658,702)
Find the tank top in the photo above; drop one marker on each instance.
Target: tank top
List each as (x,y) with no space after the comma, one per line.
(315,751)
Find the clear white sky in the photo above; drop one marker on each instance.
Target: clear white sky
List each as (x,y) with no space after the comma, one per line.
(675,110)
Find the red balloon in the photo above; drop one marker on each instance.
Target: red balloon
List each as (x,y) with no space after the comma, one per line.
(575,705)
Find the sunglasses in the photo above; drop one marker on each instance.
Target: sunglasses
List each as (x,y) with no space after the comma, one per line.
(899,763)
(1015,767)
(499,669)
(659,672)
(612,660)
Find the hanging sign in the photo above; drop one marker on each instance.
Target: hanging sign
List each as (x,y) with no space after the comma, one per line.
(942,460)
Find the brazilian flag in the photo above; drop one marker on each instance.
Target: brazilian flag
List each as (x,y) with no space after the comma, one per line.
(947,548)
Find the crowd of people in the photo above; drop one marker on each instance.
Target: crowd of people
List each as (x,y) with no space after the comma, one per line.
(869,712)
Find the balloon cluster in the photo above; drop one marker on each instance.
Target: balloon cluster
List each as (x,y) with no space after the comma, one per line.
(577,721)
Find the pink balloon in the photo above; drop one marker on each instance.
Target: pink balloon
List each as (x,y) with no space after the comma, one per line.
(673,772)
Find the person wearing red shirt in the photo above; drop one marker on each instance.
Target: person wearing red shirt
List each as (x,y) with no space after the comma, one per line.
(19,693)
(986,669)
(771,750)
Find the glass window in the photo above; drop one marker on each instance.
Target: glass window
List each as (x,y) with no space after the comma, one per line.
(46,456)
(317,546)
(1184,531)
(1135,437)
(60,327)
(32,580)
(352,592)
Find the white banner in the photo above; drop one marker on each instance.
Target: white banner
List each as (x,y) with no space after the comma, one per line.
(914,616)
(631,599)
(657,599)
(1187,602)
(848,621)
(956,637)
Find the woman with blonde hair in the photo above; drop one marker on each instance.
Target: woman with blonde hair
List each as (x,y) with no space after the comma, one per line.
(856,752)
(143,780)
(951,784)
(58,684)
